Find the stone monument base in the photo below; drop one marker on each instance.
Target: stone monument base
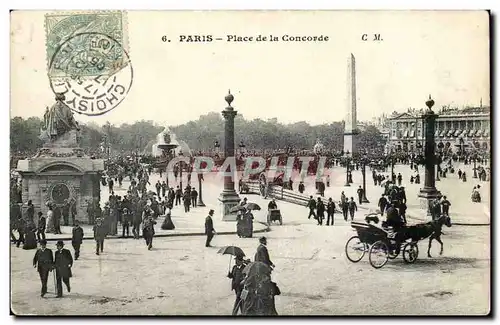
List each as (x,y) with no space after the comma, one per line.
(426,196)
(228,200)
(61,175)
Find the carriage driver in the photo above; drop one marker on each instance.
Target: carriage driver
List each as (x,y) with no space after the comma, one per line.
(395,221)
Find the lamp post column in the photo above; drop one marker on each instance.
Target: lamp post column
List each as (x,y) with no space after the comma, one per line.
(475,171)
(364,199)
(229,198)
(180,171)
(348,162)
(429,192)
(200,194)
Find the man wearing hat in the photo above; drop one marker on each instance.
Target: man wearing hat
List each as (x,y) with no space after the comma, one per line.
(237,277)
(43,261)
(62,263)
(262,254)
(77,238)
(100,232)
(209,228)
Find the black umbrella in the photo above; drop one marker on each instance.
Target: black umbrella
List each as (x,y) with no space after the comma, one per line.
(231,250)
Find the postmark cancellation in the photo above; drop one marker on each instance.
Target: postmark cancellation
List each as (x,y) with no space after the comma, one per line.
(85,44)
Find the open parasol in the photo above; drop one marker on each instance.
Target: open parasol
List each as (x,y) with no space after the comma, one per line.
(231,250)
(237,208)
(252,206)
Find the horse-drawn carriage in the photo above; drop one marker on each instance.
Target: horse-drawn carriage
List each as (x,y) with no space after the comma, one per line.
(384,244)
(379,245)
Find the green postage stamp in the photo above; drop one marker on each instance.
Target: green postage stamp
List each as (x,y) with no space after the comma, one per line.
(85,44)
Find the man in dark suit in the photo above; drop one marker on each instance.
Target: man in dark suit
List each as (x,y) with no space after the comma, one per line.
(312,206)
(382,204)
(77,238)
(209,228)
(262,254)
(352,208)
(43,261)
(100,232)
(330,210)
(236,284)
(62,263)
(320,211)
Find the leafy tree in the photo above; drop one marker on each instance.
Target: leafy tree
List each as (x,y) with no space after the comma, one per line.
(201,134)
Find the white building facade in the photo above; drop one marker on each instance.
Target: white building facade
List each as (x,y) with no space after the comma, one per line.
(466,129)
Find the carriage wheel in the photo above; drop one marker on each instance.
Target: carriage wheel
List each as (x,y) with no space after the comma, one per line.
(355,249)
(410,253)
(281,221)
(378,254)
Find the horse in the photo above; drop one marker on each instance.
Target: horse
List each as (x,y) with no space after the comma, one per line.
(372,218)
(431,230)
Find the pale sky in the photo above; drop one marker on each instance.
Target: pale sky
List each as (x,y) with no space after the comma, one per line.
(445,54)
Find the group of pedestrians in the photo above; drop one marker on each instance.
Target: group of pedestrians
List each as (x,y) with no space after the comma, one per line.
(317,209)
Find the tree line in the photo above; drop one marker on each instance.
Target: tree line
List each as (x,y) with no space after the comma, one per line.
(201,134)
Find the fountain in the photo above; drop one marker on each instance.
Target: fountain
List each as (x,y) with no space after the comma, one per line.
(318,147)
(165,144)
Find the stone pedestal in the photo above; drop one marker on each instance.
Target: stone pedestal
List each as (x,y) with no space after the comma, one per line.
(227,201)
(426,196)
(61,173)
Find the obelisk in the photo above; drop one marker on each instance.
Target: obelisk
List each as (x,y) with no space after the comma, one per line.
(350,129)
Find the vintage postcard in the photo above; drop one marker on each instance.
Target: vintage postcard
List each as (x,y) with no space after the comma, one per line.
(245,163)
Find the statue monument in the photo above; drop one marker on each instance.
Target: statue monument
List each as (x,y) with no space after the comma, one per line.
(61,173)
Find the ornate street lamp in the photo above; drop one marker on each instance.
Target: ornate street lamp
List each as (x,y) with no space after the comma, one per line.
(200,194)
(348,162)
(474,157)
(438,163)
(364,160)
(429,192)
(228,197)
(391,160)
(180,169)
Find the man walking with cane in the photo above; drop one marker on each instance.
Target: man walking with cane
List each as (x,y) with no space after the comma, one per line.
(62,263)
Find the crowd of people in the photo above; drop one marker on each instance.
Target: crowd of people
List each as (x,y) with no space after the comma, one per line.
(140,208)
